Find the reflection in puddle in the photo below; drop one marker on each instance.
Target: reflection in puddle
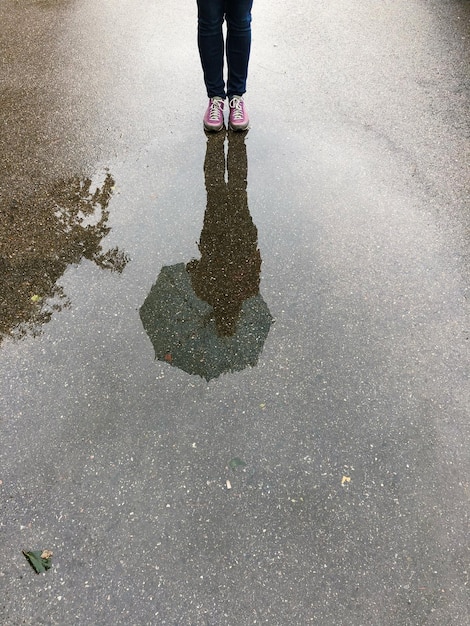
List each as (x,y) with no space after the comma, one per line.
(208,317)
(39,237)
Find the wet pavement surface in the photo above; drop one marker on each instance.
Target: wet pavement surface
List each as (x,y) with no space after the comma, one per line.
(287,441)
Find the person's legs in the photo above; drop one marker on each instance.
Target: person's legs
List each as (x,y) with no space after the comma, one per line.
(211,45)
(238,16)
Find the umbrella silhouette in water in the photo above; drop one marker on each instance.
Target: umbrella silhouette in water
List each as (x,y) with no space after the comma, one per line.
(207,317)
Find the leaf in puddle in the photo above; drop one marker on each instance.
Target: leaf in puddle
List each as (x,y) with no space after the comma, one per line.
(236,462)
(40,560)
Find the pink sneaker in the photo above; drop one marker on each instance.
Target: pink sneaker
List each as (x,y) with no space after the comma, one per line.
(214,116)
(238,118)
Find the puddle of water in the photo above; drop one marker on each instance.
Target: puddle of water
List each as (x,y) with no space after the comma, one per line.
(69,224)
(360,377)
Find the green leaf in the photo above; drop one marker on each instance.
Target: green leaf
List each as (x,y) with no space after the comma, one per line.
(37,560)
(236,462)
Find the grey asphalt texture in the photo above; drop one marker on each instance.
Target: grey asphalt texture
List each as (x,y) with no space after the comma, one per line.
(328,483)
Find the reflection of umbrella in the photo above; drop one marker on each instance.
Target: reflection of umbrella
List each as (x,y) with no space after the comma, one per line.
(183,331)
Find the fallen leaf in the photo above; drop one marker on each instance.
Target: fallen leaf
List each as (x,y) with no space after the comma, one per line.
(345,479)
(40,560)
(35,298)
(236,462)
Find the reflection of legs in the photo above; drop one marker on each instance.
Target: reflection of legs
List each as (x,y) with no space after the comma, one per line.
(214,167)
(238,45)
(237,164)
(211,45)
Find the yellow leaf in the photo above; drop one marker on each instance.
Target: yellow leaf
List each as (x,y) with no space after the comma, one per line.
(345,479)
(46,554)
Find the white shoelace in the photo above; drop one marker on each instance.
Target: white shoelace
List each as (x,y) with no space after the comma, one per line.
(215,110)
(236,104)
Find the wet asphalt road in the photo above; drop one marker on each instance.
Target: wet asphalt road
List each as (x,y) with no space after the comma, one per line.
(327,482)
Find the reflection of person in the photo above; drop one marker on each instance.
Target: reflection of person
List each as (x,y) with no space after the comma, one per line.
(237,14)
(208,317)
(228,272)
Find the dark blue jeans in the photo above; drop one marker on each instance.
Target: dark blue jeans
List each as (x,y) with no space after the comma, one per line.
(211,14)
